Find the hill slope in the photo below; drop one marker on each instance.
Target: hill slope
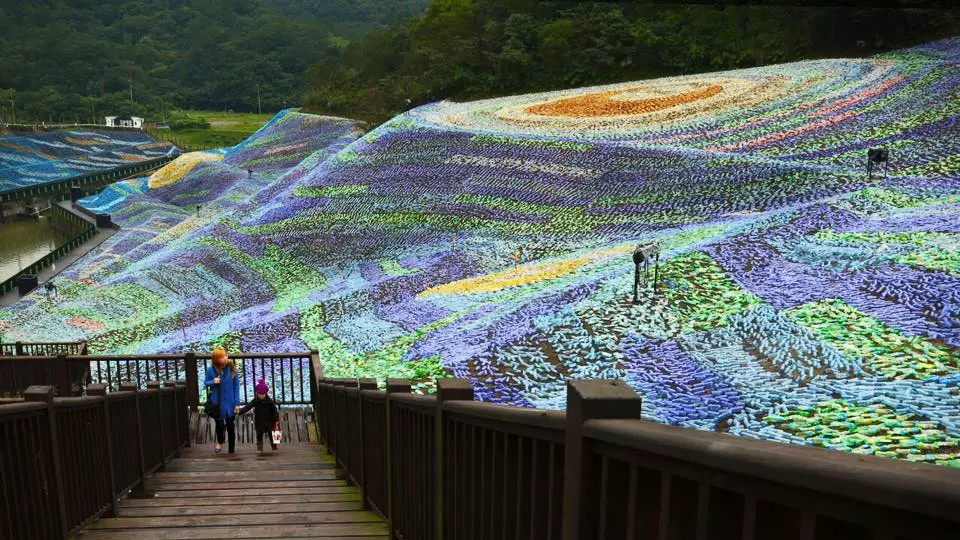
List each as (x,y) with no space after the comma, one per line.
(492,240)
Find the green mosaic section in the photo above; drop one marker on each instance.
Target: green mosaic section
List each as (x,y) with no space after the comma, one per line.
(292,280)
(387,362)
(701,294)
(937,260)
(331,191)
(914,238)
(871,429)
(886,351)
(392,268)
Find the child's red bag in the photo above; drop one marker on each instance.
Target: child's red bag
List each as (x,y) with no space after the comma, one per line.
(277,434)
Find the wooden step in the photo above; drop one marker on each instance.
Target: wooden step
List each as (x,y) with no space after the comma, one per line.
(297,492)
(263,499)
(229,508)
(359,531)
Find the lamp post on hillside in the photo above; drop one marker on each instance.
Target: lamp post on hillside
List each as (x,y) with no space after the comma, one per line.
(259,110)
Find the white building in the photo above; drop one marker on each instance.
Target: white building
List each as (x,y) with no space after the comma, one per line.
(131,121)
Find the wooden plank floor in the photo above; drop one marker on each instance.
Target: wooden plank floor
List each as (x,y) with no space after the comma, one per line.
(297,492)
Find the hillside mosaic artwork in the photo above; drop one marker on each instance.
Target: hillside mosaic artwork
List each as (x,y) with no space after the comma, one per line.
(799,300)
(30,159)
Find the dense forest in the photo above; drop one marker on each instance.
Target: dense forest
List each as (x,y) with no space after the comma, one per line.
(78,60)
(464,49)
(370,59)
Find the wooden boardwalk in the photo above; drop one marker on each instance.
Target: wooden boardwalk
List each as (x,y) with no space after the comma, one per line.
(297,492)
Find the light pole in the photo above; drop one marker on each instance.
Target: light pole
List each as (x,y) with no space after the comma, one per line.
(259,110)
(642,255)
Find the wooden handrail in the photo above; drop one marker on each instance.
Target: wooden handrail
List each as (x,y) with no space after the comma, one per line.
(75,456)
(448,467)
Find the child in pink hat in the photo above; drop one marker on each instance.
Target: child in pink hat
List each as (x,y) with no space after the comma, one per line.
(265,414)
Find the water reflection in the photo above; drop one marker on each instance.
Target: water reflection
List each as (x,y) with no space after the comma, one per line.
(23,242)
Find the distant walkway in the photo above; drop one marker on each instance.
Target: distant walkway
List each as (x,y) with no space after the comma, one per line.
(297,492)
(13,296)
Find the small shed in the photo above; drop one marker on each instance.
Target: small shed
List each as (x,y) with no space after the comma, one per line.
(125,121)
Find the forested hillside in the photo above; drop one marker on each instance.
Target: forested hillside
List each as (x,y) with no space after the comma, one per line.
(468,49)
(78,60)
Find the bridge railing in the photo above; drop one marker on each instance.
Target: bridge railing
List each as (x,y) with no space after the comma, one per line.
(448,467)
(288,374)
(66,461)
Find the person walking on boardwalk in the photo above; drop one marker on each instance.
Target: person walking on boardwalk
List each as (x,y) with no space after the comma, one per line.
(265,414)
(223,387)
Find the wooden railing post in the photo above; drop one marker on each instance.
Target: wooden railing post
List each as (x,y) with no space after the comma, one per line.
(364,384)
(588,400)
(394,386)
(182,387)
(18,348)
(63,376)
(348,457)
(176,417)
(193,383)
(447,390)
(110,475)
(316,372)
(44,394)
(132,387)
(320,413)
(155,385)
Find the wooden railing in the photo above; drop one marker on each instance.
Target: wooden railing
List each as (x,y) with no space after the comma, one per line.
(288,374)
(64,462)
(52,348)
(447,467)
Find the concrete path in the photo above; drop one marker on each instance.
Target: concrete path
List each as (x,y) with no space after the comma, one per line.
(13,296)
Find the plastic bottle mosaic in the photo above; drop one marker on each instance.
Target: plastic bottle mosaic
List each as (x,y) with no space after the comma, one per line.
(798,298)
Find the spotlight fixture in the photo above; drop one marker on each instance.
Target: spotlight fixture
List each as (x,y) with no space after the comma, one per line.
(876,156)
(642,255)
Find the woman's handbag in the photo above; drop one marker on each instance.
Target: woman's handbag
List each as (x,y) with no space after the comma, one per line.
(211,409)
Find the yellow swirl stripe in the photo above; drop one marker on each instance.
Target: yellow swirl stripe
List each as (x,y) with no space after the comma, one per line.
(523,275)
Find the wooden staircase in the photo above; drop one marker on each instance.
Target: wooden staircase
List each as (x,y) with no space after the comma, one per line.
(297,492)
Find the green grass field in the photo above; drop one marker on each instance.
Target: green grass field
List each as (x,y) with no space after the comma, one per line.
(226,129)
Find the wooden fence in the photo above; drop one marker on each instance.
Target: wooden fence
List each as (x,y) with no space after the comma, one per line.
(51,348)
(447,467)
(16,375)
(64,462)
(288,374)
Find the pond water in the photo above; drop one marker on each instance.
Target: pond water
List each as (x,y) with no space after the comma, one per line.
(23,242)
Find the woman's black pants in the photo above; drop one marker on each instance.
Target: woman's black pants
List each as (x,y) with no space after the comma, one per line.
(231,434)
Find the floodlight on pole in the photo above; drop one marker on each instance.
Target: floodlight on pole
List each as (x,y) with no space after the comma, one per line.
(642,256)
(877,156)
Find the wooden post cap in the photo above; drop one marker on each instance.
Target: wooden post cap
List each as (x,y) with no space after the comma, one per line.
(597,399)
(39,393)
(96,389)
(169,384)
(129,387)
(454,390)
(368,384)
(153,385)
(395,386)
